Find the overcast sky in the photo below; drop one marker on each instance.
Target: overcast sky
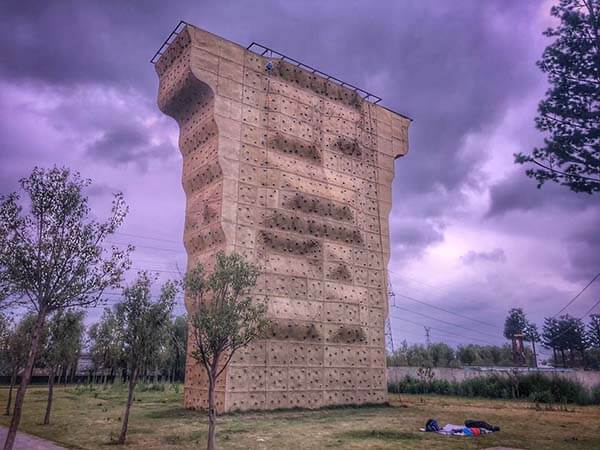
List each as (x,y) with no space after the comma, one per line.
(470,233)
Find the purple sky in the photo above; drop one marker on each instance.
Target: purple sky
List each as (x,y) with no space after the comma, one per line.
(470,232)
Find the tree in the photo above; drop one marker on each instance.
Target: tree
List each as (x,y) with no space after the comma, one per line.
(594,330)
(144,322)
(514,329)
(569,115)
(106,341)
(565,334)
(225,319)
(573,337)
(532,335)
(550,336)
(176,349)
(65,333)
(15,350)
(53,254)
(515,323)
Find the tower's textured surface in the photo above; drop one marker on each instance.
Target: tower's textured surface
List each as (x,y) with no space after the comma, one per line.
(294,172)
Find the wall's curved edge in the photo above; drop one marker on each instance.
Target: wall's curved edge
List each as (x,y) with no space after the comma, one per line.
(190,98)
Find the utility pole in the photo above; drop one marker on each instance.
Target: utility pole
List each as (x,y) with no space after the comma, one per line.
(428,335)
(389,339)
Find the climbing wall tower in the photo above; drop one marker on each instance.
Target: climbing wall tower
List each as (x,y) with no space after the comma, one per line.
(294,171)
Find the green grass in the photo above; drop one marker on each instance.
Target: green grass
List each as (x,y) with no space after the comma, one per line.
(91,419)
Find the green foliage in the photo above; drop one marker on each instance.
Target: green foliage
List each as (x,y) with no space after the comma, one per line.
(106,341)
(53,254)
(535,387)
(17,342)
(596,395)
(144,322)
(567,336)
(515,323)
(442,355)
(174,352)
(593,332)
(225,319)
(65,338)
(569,115)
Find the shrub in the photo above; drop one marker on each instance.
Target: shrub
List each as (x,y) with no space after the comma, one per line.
(595,395)
(535,387)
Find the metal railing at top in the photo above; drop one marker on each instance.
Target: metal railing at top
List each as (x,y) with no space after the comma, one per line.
(178,29)
(261,50)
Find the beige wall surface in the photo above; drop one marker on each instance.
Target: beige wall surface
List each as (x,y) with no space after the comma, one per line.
(294,172)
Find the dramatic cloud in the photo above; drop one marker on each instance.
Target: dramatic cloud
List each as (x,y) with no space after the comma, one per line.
(495,256)
(77,89)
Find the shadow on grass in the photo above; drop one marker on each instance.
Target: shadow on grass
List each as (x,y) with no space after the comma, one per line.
(383,435)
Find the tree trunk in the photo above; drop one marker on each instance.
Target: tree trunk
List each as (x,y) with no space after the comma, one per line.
(60,374)
(534,354)
(132,381)
(562,353)
(13,379)
(50,393)
(20,398)
(212,410)
(210,445)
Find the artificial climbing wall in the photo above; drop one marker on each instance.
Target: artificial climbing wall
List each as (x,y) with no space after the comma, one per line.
(294,172)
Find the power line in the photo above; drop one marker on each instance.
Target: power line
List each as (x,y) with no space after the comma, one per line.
(446,310)
(443,331)
(591,309)
(444,322)
(156,270)
(147,237)
(570,328)
(148,246)
(578,294)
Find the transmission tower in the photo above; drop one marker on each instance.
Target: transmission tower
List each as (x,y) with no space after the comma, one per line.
(389,339)
(428,335)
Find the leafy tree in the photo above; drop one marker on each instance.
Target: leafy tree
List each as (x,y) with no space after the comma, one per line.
(106,341)
(52,254)
(573,337)
(441,354)
(225,319)
(532,335)
(15,350)
(176,350)
(565,335)
(569,115)
(63,347)
(144,323)
(594,330)
(515,323)
(550,336)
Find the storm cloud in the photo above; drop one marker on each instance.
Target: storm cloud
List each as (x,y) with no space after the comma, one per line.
(77,89)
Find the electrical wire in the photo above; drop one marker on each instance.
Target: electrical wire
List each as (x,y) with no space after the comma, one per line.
(578,294)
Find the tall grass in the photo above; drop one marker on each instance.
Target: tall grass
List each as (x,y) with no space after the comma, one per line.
(534,387)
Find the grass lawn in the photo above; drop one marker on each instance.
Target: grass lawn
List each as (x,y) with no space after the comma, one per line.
(90,419)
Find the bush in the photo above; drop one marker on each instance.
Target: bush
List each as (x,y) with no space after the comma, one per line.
(595,395)
(535,387)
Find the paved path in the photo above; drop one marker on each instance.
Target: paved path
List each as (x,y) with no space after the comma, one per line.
(28,442)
